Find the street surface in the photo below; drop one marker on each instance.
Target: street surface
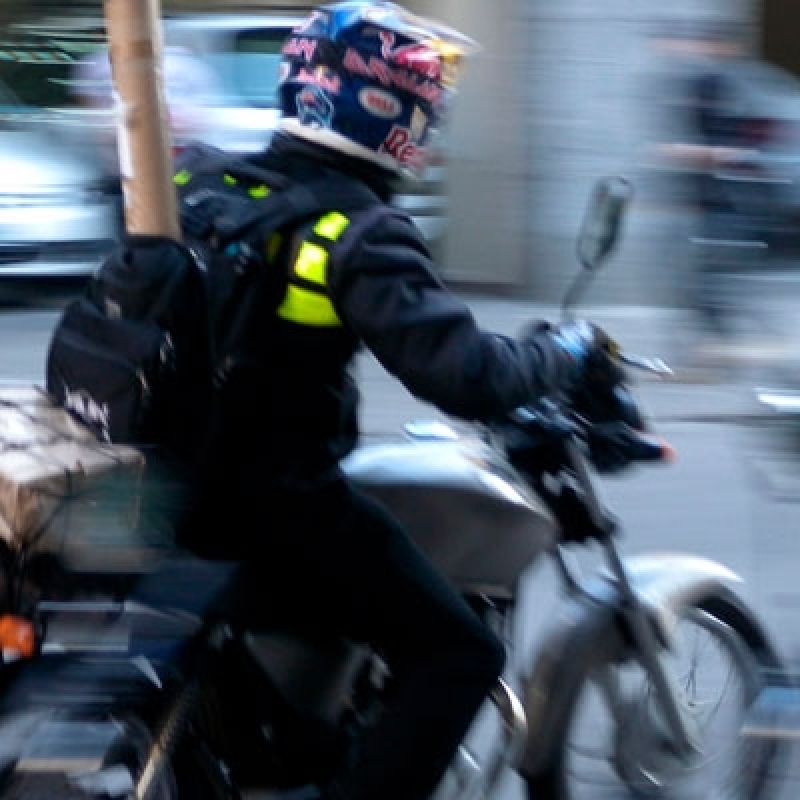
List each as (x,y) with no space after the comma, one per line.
(727,497)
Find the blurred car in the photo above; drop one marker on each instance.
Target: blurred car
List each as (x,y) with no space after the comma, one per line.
(40,62)
(768,182)
(57,213)
(760,111)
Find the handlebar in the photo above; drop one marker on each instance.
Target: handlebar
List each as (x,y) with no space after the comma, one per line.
(631,444)
(548,422)
(564,440)
(655,366)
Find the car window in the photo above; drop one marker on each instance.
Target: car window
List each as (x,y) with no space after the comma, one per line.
(37,78)
(36,66)
(248,71)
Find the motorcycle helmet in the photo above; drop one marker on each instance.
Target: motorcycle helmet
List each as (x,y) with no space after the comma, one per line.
(371,80)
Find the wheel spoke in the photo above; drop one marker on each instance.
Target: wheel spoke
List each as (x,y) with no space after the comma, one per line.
(625,741)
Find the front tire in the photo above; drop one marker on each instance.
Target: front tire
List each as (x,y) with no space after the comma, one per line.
(624,750)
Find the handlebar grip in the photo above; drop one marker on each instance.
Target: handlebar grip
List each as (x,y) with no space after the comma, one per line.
(646,447)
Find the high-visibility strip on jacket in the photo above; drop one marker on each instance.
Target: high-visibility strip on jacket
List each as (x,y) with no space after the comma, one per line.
(306,301)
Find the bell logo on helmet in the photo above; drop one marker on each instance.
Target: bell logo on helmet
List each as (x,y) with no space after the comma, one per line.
(379,103)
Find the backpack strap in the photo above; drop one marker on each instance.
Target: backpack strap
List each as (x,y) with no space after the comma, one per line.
(258,221)
(292,204)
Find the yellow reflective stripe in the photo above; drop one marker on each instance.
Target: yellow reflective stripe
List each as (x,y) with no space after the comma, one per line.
(182,178)
(331,225)
(258,192)
(229,180)
(312,263)
(308,308)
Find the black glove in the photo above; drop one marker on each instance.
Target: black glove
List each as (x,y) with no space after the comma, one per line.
(601,394)
(614,446)
(593,351)
(588,348)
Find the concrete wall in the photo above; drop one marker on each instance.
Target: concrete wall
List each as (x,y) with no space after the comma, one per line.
(779,33)
(558,97)
(486,145)
(588,105)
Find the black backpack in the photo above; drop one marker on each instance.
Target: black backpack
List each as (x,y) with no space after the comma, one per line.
(135,356)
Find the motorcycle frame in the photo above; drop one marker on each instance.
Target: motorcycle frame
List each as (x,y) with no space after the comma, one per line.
(639,599)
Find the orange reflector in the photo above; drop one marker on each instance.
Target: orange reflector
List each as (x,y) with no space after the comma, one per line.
(17,638)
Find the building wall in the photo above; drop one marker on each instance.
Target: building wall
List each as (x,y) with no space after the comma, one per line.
(779,32)
(560,96)
(591,110)
(557,98)
(487,143)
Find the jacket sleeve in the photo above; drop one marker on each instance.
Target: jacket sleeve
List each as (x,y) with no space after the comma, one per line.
(383,285)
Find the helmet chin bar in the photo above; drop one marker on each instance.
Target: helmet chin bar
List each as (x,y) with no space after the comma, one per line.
(336,141)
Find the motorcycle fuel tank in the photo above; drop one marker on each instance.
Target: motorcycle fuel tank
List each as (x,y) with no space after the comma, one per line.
(462,503)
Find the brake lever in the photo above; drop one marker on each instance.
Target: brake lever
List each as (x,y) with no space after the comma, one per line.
(655,366)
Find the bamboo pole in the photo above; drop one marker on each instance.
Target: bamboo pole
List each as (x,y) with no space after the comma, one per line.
(143,137)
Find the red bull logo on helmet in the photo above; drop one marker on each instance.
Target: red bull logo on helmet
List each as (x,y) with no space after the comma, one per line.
(416,57)
(391,76)
(400,145)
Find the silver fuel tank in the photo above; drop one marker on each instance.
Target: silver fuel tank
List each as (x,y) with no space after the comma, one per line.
(462,503)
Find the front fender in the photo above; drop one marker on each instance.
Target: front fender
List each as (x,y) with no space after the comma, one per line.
(588,631)
(667,583)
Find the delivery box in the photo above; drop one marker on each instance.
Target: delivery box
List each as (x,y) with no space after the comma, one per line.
(61,488)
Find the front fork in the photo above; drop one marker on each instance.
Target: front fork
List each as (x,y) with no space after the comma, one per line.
(648,640)
(641,601)
(649,643)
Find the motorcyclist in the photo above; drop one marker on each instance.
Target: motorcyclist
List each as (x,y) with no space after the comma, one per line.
(363,87)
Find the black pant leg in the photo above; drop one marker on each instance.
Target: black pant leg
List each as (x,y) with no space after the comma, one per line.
(356,572)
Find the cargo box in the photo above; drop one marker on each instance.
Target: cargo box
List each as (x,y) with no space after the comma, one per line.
(61,488)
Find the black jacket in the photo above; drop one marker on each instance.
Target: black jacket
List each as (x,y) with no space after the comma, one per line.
(384,286)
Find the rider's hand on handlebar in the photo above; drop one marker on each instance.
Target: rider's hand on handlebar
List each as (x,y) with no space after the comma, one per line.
(615,445)
(594,354)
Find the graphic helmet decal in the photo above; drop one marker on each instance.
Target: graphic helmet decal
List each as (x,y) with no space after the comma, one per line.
(371,79)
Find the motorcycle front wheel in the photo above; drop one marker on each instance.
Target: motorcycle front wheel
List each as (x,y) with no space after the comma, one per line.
(614,741)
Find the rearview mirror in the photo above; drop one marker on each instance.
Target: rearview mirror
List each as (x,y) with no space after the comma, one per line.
(602,222)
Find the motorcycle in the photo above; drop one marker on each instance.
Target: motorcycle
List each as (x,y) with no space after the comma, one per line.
(164,702)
